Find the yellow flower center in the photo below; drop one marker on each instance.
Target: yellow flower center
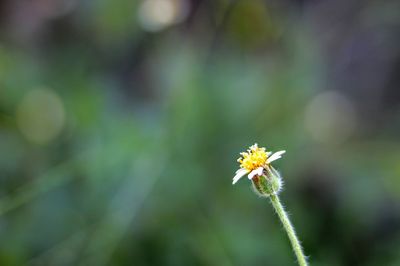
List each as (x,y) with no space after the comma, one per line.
(252,159)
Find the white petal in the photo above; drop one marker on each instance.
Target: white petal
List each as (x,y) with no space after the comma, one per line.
(275,156)
(255,172)
(239,170)
(239,174)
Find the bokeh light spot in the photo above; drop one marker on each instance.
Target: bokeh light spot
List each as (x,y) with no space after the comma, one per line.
(40,116)
(330,117)
(156,15)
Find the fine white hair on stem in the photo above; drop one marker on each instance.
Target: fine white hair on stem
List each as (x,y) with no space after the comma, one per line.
(287,225)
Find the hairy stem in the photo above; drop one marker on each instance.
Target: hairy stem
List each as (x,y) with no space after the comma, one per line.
(276,203)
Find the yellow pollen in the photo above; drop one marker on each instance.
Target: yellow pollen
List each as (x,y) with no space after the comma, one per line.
(252,159)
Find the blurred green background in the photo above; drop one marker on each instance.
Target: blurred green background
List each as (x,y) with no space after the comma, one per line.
(121,122)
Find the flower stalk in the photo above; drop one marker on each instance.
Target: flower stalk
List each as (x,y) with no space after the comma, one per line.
(276,203)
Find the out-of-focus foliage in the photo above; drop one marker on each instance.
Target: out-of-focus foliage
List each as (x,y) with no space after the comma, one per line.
(121,122)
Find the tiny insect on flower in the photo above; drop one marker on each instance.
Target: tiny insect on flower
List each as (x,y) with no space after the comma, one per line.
(255,161)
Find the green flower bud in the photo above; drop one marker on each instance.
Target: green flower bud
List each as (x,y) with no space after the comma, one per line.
(269,183)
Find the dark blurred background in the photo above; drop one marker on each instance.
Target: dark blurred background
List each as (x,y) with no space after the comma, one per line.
(121,122)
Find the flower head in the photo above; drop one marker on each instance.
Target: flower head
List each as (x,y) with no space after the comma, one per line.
(254,162)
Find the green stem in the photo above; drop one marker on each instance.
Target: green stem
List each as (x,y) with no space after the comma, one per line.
(276,203)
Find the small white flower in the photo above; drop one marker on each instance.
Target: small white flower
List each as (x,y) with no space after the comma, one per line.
(254,161)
